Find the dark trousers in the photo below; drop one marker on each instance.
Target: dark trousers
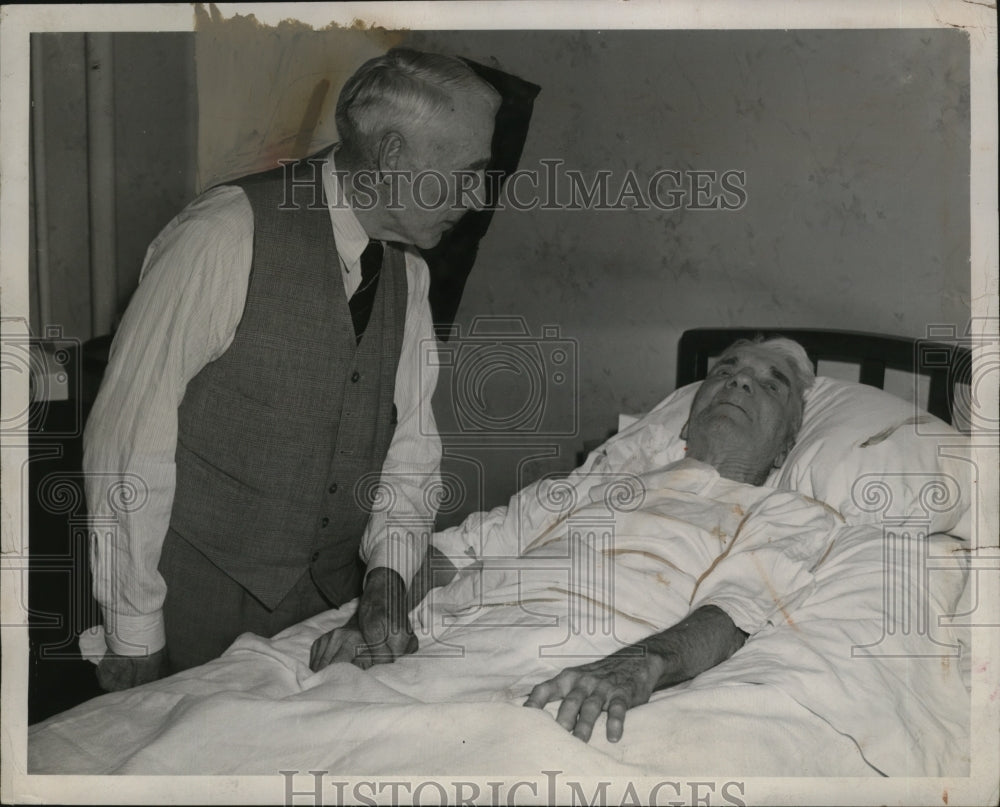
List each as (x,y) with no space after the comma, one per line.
(205,609)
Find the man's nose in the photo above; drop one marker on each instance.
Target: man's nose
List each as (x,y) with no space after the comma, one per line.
(742,380)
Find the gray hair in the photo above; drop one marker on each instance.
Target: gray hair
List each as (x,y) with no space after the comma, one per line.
(401,88)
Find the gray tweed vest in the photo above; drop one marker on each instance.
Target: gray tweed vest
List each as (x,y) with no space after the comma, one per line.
(274,434)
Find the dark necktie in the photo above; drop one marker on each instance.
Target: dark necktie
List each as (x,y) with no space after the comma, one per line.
(364,298)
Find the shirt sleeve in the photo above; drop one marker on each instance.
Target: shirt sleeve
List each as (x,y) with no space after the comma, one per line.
(767,568)
(400,525)
(183,315)
(514,528)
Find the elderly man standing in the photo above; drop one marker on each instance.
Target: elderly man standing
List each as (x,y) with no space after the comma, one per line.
(268,363)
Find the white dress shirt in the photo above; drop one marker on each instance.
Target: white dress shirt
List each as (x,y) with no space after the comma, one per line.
(183,315)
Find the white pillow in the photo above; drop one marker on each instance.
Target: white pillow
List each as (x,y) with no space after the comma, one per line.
(866,453)
(651,440)
(876,458)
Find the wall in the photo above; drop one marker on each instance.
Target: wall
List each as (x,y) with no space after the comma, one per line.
(156,142)
(855,148)
(152,86)
(854,145)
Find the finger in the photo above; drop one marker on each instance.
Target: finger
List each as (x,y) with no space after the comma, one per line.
(590,710)
(374,628)
(348,652)
(544,693)
(569,710)
(114,675)
(147,670)
(325,649)
(362,657)
(554,689)
(381,653)
(105,678)
(336,641)
(314,652)
(398,642)
(616,718)
(318,648)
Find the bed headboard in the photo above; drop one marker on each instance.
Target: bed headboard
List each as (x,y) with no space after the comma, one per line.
(943,363)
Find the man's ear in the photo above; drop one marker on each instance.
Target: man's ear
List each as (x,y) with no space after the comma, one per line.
(782,455)
(684,430)
(389,149)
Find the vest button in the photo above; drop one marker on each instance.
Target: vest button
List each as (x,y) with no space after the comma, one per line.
(315,557)
(325,522)
(355,376)
(333,488)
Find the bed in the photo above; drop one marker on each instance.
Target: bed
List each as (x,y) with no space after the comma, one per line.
(866,677)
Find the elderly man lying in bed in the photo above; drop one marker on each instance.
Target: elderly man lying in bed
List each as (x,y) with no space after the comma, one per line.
(657,576)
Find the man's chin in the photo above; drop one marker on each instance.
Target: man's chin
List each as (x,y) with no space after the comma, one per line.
(725,418)
(430,241)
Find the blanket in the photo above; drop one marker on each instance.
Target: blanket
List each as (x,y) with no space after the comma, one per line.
(817,690)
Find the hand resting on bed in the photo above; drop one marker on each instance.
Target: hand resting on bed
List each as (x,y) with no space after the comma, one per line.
(629,677)
(115,672)
(378,633)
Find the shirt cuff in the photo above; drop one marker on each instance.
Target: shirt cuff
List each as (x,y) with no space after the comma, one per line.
(140,635)
(748,620)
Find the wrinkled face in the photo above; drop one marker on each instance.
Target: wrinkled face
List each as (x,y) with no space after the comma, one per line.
(450,152)
(745,409)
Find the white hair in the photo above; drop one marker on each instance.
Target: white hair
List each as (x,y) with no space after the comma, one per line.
(402,88)
(797,357)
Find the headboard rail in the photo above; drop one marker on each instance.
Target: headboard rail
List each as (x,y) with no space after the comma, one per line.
(943,363)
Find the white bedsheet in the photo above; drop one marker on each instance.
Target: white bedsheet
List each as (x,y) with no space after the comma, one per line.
(796,700)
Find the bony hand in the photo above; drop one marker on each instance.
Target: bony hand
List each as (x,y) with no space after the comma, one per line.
(613,685)
(340,644)
(115,672)
(383,619)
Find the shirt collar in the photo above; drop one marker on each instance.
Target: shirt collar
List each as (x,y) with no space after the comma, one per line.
(350,236)
(686,474)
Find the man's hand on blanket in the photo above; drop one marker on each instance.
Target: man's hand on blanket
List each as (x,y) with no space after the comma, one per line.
(378,633)
(115,673)
(384,619)
(613,685)
(341,644)
(705,637)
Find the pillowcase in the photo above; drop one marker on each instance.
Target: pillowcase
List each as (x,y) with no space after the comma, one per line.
(876,458)
(866,453)
(652,440)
